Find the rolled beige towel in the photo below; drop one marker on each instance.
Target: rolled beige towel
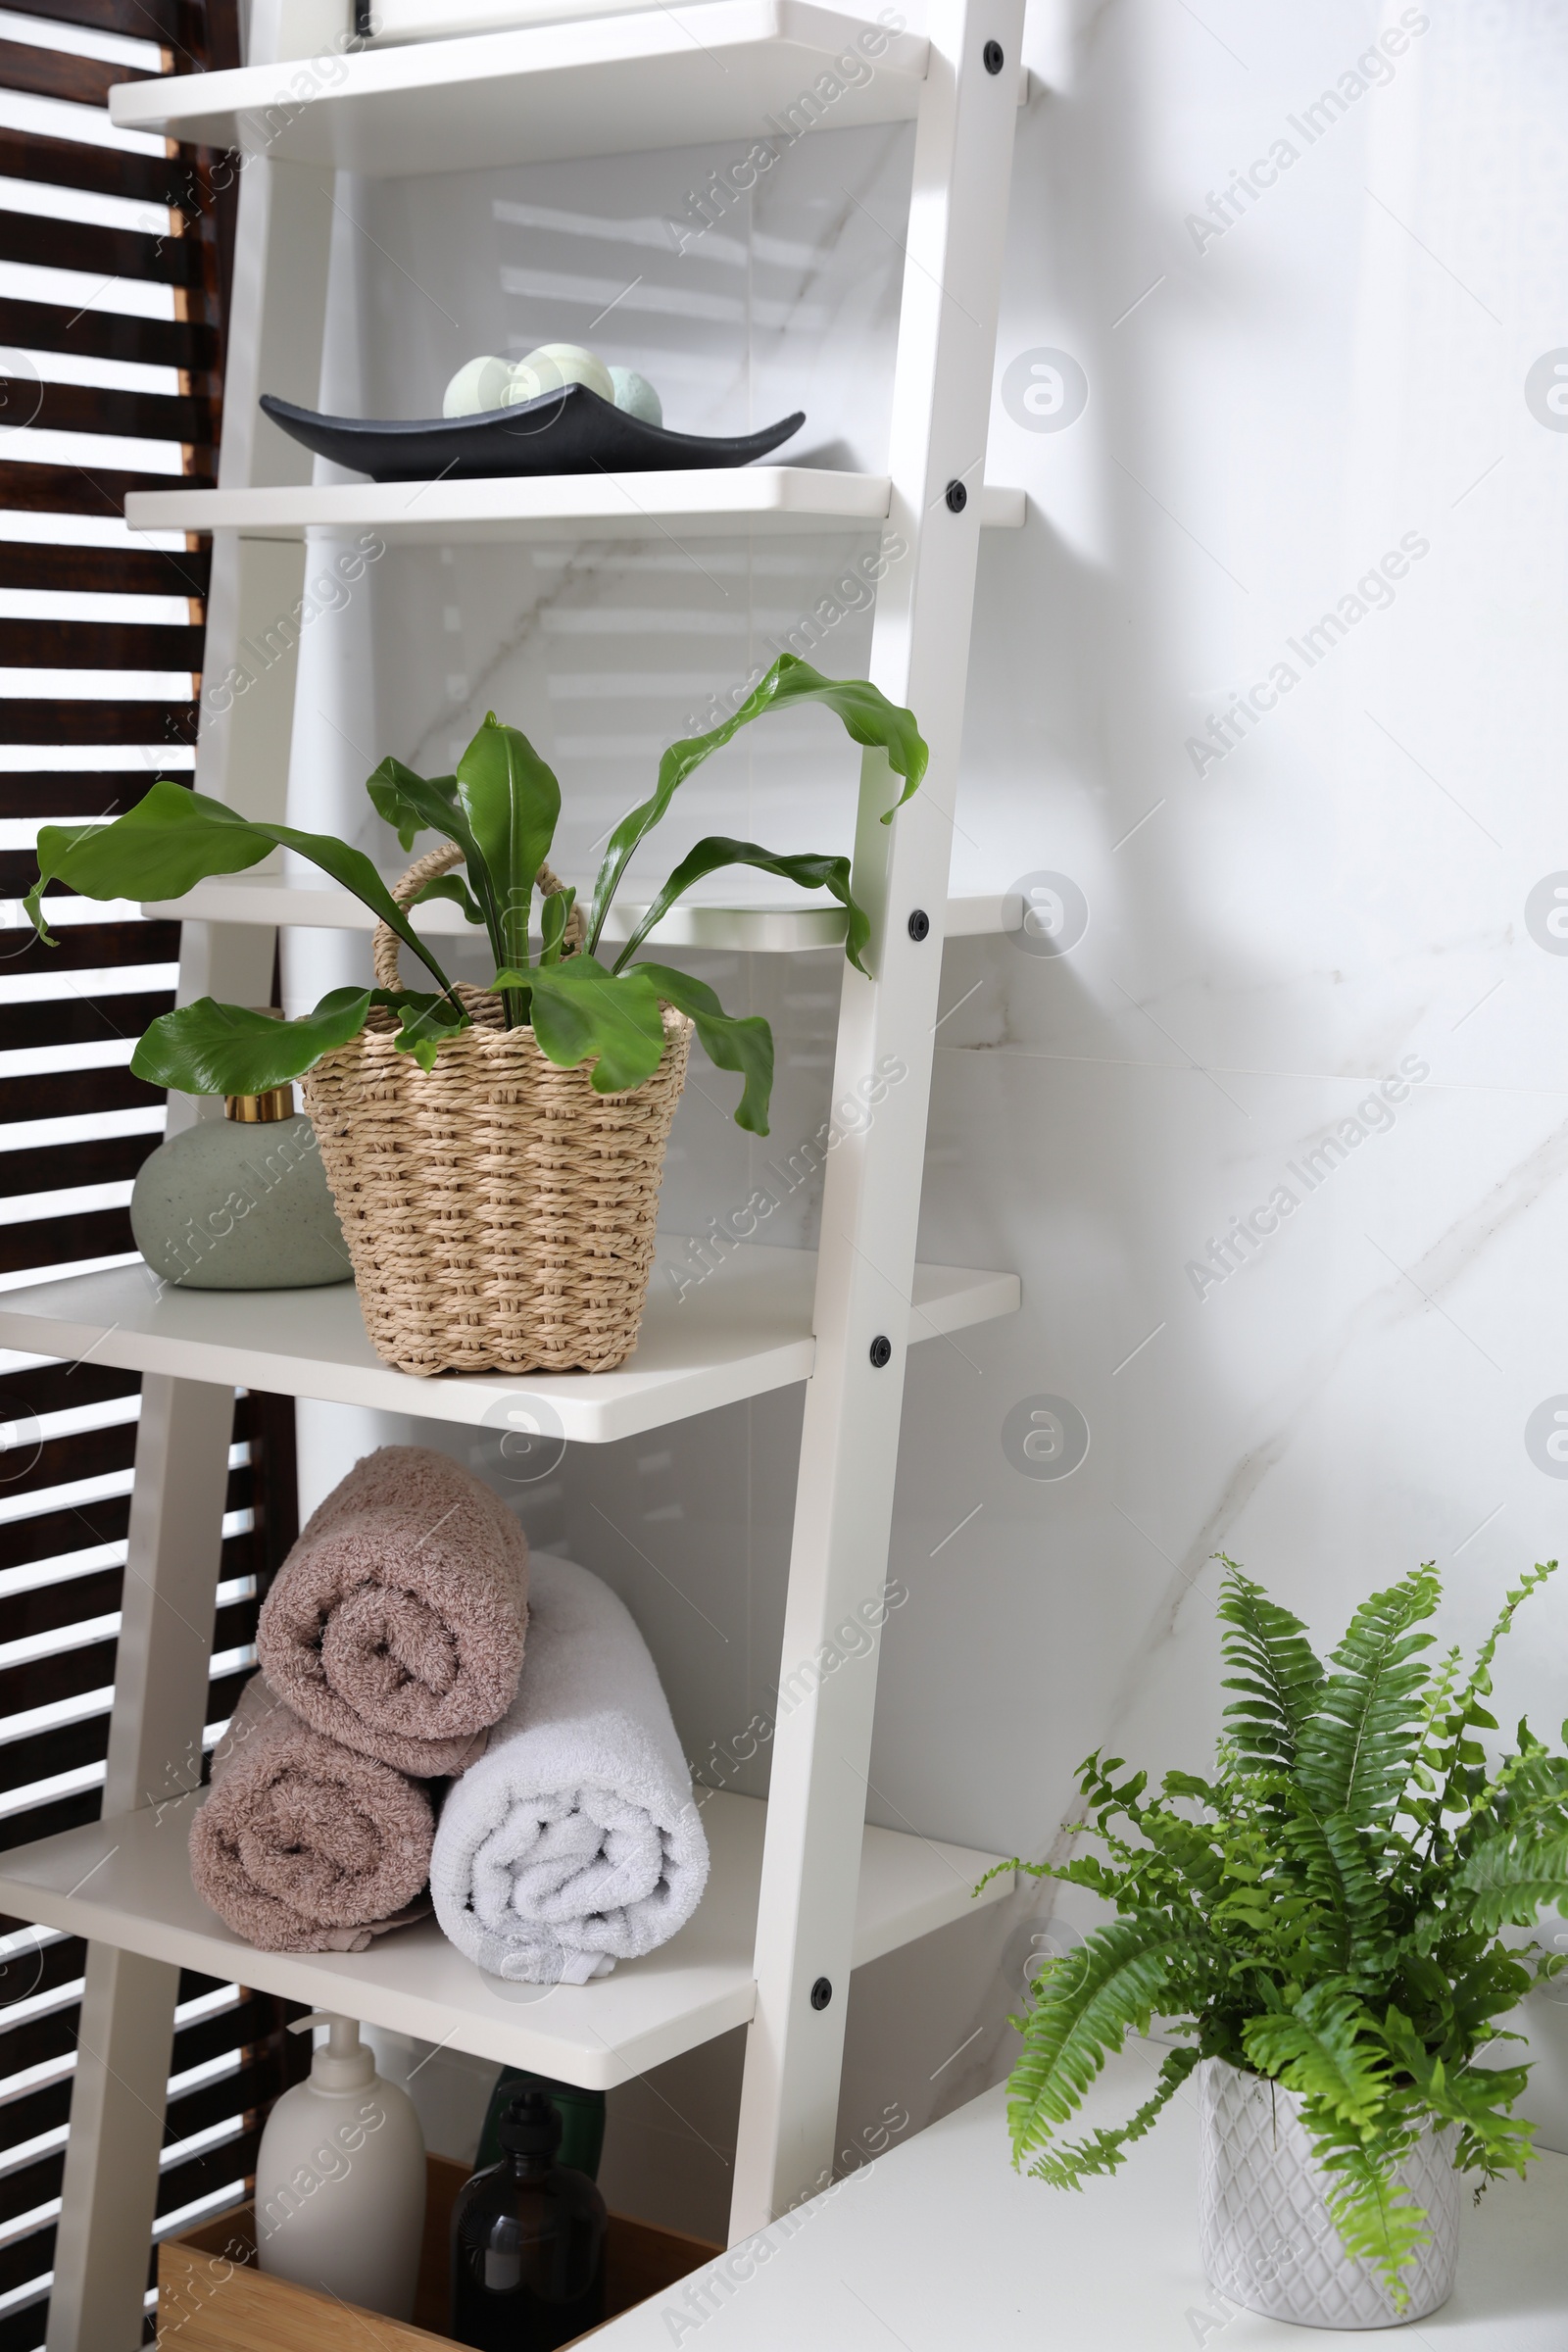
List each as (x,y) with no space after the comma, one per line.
(396,1624)
(304,1845)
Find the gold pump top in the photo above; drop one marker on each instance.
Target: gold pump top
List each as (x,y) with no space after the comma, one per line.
(260,1110)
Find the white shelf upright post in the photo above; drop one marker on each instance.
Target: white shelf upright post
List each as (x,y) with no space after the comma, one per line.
(175,1551)
(172,1555)
(849,1450)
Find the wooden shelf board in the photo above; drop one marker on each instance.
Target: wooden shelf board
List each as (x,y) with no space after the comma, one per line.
(768,926)
(126,1882)
(657,77)
(713,502)
(740,1332)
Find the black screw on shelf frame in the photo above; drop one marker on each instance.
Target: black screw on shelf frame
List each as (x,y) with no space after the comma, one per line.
(881,1353)
(957,496)
(919,925)
(992,57)
(822,1993)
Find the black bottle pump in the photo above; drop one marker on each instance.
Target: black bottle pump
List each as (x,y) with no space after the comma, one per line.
(528,2242)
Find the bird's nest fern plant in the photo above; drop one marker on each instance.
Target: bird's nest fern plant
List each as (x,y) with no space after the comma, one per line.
(500,809)
(1327,1911)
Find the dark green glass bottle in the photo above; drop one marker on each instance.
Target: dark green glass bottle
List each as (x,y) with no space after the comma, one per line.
(528,2242)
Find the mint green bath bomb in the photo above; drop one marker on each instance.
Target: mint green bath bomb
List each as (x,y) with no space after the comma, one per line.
(553,364)
(636,395)
(479,386)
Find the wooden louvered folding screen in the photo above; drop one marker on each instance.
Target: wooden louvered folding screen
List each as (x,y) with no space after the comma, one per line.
(112,260)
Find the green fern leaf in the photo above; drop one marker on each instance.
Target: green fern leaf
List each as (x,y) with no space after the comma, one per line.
(1378,2219)
(1276,1672)
(1468,1711)
(1358,1745)
(1480,1683)
(1340,1874)
(1326,2046)
(1497,1983)
(1191,1847)
(1510,1881)
(1103,2151)
(1431,1763)
(1093,1999)
(1366,1899)
(1529,1793)
(1476,2097)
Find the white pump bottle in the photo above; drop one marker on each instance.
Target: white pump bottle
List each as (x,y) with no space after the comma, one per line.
(341,2179)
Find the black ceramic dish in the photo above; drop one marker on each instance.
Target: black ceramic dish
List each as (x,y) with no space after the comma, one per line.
(570,431)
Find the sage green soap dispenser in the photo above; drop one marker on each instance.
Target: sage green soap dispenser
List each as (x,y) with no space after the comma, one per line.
(241,1202)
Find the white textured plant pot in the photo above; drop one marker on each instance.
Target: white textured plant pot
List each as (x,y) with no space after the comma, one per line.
(1265,2233)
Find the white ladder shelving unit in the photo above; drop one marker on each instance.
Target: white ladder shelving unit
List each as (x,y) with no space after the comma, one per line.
(802,1890)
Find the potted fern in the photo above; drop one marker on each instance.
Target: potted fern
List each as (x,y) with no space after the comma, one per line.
(494,1153)
(1321,1925)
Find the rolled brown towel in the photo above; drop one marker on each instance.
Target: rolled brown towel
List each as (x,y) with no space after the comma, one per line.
(396,1623)
(303,1846)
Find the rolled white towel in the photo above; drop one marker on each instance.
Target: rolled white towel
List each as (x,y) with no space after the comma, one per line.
(573,1841)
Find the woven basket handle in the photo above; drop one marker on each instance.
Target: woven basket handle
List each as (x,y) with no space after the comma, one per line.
(384,952)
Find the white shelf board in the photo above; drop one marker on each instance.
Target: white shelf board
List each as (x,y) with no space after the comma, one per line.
(744,1330)
(126,1882)
(940,2242)
(765,926)
(706,503)
(664,76)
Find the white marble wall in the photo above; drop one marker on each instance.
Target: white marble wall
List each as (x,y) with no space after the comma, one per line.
(1277,923)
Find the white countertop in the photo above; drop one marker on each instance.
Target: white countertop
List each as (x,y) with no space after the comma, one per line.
(940,2246)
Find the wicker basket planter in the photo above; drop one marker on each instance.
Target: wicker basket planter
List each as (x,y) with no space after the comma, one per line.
(498,1213)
